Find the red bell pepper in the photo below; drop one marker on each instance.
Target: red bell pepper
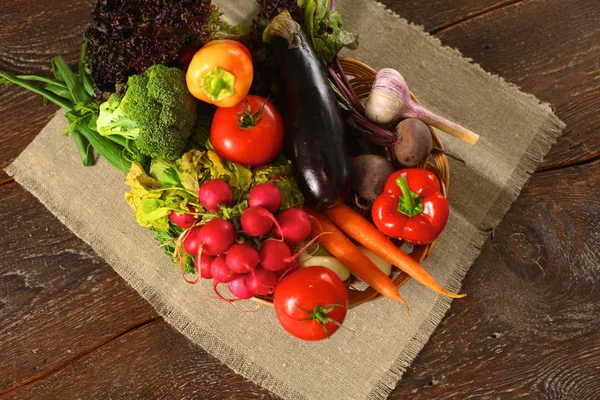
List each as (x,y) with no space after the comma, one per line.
(411,206)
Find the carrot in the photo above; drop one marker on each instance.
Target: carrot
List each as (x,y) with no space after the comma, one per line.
(343,249)
(365,233)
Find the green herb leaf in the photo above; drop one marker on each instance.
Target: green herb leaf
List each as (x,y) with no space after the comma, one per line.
(324,30)
(166,173)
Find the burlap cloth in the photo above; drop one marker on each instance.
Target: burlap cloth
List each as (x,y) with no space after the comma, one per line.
(367,360)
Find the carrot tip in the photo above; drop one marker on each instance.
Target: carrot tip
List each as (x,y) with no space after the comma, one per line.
(400,299)
(456,296)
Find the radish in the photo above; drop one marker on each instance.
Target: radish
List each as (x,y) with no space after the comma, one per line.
(242,258)
(219,271)
(261,281)
(274,255)
(191,244)
(257,221)
(214,194)
(183,220)
(203,262)
(265,195)
(221,274)
(217,236)
(239,288)
(214,238)
(295,226)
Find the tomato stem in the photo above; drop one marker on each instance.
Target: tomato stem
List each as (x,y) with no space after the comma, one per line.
(246,119)
(320,314)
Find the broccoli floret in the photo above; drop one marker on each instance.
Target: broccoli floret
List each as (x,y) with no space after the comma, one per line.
(157,113)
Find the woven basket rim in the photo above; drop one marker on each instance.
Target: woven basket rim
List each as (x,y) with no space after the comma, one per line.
(361,77)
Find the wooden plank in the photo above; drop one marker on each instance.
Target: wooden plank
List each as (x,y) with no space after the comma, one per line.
(23,117)
(549,48)
(437,15)
(529,325)
(58,299)
(151,362)
(31,33)
(467,363)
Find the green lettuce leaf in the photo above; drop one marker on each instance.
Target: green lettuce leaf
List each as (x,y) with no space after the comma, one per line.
(153,199)
(324,30)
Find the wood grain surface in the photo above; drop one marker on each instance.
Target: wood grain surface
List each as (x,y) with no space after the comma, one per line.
(70,327)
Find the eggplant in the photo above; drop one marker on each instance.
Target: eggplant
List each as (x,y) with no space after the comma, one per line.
(314,127)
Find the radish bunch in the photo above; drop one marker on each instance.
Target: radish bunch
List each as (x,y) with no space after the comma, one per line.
(289,227)
(247,271)
(183,220)
(239,268)
(213,195)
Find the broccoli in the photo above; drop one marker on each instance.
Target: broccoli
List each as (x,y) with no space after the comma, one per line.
(156,115)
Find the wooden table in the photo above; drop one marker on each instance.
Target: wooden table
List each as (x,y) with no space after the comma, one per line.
(70,327)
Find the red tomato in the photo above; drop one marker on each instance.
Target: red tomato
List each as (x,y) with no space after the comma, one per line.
(311,303)
(250,133)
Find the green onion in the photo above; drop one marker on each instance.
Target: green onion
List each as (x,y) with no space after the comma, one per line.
(86,152)
(64,103)
(108,149)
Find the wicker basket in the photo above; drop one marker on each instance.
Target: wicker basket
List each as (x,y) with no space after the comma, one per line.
(361,78)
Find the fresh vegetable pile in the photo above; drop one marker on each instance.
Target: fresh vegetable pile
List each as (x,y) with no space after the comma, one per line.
(250,156)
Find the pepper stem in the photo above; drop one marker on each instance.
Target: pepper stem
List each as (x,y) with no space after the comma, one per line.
(218,84)
(410,203)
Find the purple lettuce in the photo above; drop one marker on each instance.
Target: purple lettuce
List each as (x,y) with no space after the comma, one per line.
(129,36)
